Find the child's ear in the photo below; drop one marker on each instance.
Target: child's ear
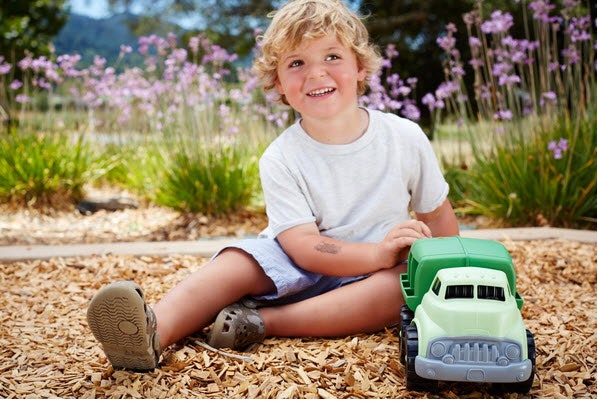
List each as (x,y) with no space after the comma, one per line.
(361,73)
(279,87)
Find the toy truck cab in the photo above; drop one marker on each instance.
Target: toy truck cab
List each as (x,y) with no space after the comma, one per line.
(461,321)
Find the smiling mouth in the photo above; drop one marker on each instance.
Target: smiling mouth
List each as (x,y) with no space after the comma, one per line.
(321,92)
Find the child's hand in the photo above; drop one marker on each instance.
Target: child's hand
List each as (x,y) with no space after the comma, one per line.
(395,247)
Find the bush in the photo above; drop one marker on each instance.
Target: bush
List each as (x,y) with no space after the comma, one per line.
(46,170)
(535,99)
(548,179)
(213,181)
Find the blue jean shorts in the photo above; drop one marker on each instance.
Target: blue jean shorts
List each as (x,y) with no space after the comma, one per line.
(292,283)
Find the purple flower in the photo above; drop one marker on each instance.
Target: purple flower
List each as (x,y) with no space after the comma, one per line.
(499,23)
(411,112)
(579,28)
(391,51)
(500,69)
(476,63)
(541,10)
(503,115)
(446,43)
(125,50)
(548,97)
(16,84)
(571,54)
(558,148)
(194,44)
(474,42)
(432,103)
(471,18)
(5,68)
(22,98)
(25,63)
(508,79)
(458,71)
(446,89)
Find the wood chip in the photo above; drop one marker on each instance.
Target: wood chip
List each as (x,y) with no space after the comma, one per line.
(48,351)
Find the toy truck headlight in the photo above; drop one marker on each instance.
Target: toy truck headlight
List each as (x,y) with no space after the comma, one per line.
(438,350)
(513,352)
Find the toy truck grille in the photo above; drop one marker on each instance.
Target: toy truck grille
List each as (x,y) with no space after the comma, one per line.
(474,351)
(474,359)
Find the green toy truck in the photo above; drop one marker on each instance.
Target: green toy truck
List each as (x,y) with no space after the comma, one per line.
(462,319)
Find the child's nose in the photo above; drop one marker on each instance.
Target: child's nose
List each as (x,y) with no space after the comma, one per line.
(316,71)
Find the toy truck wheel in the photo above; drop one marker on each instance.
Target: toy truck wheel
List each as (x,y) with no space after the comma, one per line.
(406,318)
(526,386)
(410,345)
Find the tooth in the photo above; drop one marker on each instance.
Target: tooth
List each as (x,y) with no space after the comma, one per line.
(320,92)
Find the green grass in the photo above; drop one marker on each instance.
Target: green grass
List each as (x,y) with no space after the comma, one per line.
(519,181)
(46,169)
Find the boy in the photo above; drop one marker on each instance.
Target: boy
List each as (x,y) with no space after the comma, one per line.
(338,185)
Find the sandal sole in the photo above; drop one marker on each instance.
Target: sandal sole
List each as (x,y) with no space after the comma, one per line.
(118,319)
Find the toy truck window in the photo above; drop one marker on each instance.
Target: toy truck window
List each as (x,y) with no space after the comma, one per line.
(491,292)
(459,291)
(436,286)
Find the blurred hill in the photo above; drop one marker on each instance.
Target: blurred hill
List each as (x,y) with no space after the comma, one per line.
(103,37)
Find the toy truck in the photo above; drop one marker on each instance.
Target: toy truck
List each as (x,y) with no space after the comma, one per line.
(462,319)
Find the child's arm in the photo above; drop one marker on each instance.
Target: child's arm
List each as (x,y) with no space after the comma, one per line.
(442,221)
(317,253)
(320,254)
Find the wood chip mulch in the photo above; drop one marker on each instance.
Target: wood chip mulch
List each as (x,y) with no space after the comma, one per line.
(48,351)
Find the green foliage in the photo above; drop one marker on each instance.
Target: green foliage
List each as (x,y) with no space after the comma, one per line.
(29,25)
(523,183)
(191,174)
(214,181)
(531,120)
(43,169)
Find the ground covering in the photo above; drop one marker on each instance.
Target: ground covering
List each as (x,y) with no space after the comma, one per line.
(47,349)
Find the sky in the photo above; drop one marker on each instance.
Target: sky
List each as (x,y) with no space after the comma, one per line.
(99,9)
(91,8)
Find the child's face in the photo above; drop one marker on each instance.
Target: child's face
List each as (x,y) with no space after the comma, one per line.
(319,78)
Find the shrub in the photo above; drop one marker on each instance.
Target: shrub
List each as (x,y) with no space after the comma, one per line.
(46,169)
(536,164)
(214,181)
(547,179)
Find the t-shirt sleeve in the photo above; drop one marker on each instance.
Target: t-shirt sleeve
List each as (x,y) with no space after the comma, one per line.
(286,205)
(427,185)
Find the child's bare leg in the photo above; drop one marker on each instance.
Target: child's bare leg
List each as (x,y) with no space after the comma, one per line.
(194,302)
(360,307)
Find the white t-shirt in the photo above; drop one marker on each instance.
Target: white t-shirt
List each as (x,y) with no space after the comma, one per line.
(355,192)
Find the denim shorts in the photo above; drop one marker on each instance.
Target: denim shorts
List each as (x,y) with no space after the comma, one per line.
(292,283)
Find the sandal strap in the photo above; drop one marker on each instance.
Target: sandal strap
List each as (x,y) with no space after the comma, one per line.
(236,327)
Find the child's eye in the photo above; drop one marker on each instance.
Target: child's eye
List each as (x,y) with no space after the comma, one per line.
(332,57)
(295,63)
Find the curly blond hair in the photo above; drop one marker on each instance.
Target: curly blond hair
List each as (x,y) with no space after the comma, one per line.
(303,20)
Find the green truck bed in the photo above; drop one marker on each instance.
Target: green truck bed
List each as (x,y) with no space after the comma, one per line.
(429,255)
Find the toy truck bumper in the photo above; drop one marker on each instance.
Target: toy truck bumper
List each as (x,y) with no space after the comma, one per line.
(437,370)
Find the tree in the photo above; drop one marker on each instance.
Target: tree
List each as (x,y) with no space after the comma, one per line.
(230,23)
(413,27)
(29,25)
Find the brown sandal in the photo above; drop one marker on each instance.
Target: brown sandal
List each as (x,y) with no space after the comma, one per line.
(120,319)
(236,327)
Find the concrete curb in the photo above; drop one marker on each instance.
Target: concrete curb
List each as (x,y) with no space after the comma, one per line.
(207,248)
